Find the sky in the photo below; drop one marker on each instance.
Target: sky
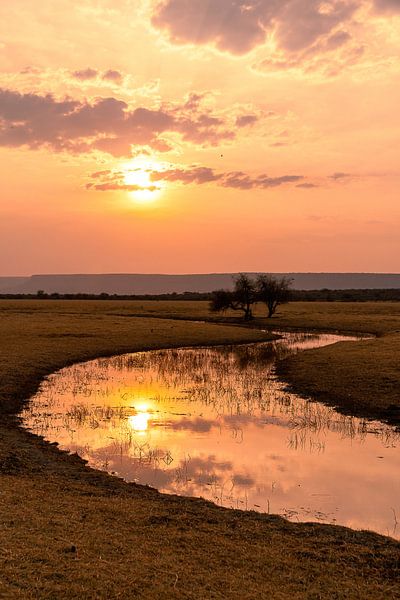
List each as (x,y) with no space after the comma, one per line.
(188,136)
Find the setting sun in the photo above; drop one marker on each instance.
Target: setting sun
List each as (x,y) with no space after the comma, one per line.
(138,173)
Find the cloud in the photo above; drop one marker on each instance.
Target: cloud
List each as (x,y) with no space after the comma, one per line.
(105,124)
(242,181)
(85,74)
(193,175)
(340,175)
(236,27)
(308,36)
(186,176)
(98,174)
(239,26)
(304,22)
(89,74)
(387,6)
(112,75)
(126,187)
(337,39)
(245,120)
(109,180)
(328,56)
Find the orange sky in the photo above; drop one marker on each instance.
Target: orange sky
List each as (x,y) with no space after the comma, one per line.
(198,136)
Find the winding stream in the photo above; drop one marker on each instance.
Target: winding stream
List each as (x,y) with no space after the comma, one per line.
(217,423)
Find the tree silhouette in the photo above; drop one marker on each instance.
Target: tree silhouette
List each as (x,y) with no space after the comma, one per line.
(273,291)
(241,298)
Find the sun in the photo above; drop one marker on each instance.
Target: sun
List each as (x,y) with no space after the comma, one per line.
(138,173)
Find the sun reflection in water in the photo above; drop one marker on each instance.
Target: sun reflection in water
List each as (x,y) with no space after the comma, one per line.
(140,420)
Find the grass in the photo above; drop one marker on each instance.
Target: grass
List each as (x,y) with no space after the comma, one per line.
(361,378)
(68,531)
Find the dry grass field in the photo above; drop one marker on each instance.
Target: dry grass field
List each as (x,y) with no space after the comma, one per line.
(68,531)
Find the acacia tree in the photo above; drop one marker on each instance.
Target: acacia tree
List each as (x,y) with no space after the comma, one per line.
(273,291)
(242,298)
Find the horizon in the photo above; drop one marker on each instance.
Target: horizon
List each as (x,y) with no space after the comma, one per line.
(248,272)
(168,283)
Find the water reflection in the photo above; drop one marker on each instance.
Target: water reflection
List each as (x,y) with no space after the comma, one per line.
(216,423)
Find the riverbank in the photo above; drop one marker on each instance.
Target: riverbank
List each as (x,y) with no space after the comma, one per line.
(80,533)
(360,379)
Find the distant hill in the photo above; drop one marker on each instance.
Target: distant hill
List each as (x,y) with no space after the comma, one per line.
(7,283)
(162,284)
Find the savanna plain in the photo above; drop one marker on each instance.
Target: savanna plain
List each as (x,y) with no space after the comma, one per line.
(68,531)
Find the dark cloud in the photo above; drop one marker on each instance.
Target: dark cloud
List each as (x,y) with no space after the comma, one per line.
(112,75)
(186,176)
(193,101)
(199,175)
(98,174)
(201,129)
(195,175)
(337,39)
(388,6)
(106,124)
(242,181)
(126,187)
(235,26)
(303,22)
(245,120)
(238,26)
(340,175)
(329,55)
(307,186)
(89,74)
(234,179)
(85,74)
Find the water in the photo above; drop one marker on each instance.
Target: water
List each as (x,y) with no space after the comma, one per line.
(216,423)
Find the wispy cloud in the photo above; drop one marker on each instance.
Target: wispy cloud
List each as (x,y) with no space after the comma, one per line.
(193,175)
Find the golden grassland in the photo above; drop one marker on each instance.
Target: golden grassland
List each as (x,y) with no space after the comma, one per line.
(68,531)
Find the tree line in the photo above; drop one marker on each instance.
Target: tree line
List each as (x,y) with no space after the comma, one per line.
(322,295)
(266,289)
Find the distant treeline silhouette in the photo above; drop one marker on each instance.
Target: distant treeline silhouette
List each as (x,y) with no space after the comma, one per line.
(366,295)
(324,295)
